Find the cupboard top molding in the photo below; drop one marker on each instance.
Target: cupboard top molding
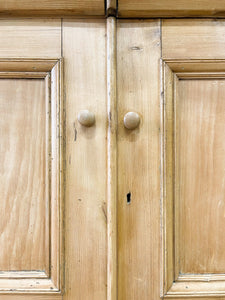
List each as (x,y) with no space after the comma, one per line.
(170,8)
(52,8)
(119,8)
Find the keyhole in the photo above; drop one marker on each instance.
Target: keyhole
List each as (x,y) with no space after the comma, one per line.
(129,198)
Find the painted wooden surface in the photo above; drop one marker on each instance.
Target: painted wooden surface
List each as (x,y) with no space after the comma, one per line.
(138,44)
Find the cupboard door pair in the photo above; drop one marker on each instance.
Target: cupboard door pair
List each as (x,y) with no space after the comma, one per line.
(60,180)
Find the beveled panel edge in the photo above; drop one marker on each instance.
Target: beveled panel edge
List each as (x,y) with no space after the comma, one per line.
(175,285)
(34,66)
(41,282)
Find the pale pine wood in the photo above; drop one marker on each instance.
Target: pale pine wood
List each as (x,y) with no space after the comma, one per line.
(39,38)
(200,176)
(168,173)
(31,154)
(193,39)
(139,238)
(24,163)
(84,51)
(111,161)
(194,170)
(31,297)
(170,8)
(52,7)
(33,141)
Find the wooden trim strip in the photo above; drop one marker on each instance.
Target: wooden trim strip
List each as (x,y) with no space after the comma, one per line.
(52,8)
(171,8)
(111,161)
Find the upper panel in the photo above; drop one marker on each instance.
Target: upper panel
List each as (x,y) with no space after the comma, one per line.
(52,7)
(171,8)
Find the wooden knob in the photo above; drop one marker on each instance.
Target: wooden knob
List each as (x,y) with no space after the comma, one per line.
(131,120)
(86,118)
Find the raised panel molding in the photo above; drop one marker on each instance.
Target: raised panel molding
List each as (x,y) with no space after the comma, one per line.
(49,206)
(208,282)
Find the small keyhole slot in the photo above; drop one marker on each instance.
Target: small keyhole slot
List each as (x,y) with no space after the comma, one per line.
(129,198)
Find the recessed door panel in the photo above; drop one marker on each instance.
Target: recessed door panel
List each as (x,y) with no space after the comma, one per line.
(30,186)
(194,178)
(200,175)
(24,225)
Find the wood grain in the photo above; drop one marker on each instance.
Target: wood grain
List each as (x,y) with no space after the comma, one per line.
(194,179)
(171,8)
(111,161)
(23,161)
(84,50)
(138,82)
(30,297)
(31,109)
(193,39)
(52,7)
(30,38)
(200,111)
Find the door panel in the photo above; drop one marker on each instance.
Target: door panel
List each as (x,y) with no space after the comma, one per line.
(200,175)
(31,163)
(194,148)
(30,176)
(24,164)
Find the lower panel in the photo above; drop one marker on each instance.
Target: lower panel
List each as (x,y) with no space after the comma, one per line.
(31,168)
(194,189)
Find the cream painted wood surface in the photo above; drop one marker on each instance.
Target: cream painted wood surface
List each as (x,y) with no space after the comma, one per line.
(138,80)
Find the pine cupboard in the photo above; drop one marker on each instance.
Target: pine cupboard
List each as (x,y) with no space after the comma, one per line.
(112,148)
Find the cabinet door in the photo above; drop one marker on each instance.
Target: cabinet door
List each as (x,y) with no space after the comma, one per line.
(53,173)
(194,161)
(171,231)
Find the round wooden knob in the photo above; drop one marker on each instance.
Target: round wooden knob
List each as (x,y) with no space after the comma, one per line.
(86,118)
(131,120)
